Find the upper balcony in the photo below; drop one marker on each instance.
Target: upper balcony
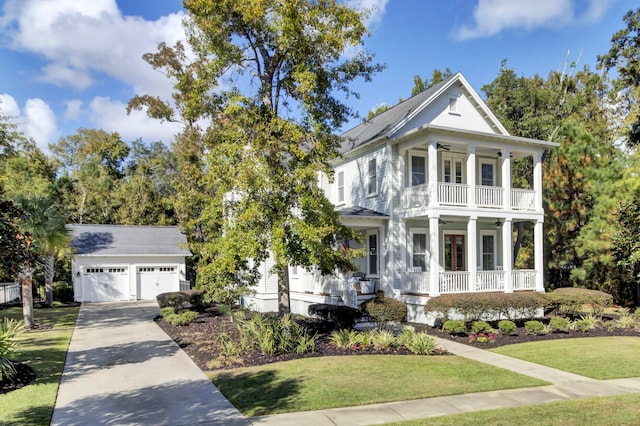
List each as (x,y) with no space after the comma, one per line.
(457,194)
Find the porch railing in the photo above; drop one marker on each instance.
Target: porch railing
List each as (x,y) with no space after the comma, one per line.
(453,282)
(416,282)
(523,199)
(348,293)
(490,281)
(524,279)
(455,194)
(489,196)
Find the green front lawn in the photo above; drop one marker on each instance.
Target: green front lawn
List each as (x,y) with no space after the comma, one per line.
(45,351)
(600,358)
(343,381)
(606,411)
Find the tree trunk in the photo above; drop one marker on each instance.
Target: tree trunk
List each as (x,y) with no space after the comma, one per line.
(284,305)
(26,275)
(518,243)
(48,279)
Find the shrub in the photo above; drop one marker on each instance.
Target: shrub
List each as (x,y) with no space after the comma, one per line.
(343,338)
(179,299)
(62,292)
(274,336)
(181,319)
(480,327)
(10,329)
(482,337)
(583,325)
(342,316)
(418,343)
(559,325)
(476,306)
(383,310)
(625,319)
(169,310)
(571,300)
(454,327)
(534,327)
(383,339)
(507,327)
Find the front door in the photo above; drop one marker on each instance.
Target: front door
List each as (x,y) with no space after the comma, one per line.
(454,250)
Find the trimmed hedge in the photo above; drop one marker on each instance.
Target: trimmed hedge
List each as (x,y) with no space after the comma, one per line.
(342,316)
(178,299)
(478,306)
(383,309)
(62,292)
(570,300)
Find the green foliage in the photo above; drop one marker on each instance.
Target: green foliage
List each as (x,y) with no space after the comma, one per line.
(584,324)
(343,338)
(418,343)
(342,316)
(454,326)
(181,319)
(559,324)
(10,329)
(571,300)
(168,310)
(507,327)
(480,327)
(626,320)
(63,292)
(383,340)
(475,306)
(383,310)
(534,327)
(273,336)
(626,246)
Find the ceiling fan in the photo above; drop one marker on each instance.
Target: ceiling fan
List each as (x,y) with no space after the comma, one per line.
(445,147)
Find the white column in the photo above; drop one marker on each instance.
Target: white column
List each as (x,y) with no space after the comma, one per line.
(538,240)
(537,179)
(471,174)
(506,177)
(472,250)
(394,279)
(434,259)
(507,255)
(384,253)
(433,172)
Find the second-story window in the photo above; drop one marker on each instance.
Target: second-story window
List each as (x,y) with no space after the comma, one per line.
(373,178)
(418,170)
(340,187)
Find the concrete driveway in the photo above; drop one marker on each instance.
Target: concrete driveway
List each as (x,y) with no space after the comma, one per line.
(122,369)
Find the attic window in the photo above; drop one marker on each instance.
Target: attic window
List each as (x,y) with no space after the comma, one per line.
(453,105)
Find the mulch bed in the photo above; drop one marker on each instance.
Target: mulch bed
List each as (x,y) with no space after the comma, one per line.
(25,375)
(199,340)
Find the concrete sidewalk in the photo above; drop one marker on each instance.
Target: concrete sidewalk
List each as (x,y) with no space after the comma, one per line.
(122,369)
(565,386)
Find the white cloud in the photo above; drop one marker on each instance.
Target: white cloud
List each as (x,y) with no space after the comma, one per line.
(111,116)
(375,8)
(85,39)
(491,17)
(36,120)
(73,109)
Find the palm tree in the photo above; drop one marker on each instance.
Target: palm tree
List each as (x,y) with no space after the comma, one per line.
(46,225)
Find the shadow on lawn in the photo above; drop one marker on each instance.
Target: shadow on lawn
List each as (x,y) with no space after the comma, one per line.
(258,393)
(37,415)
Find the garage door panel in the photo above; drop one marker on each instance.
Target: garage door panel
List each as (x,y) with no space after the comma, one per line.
(105,284)
(154,280)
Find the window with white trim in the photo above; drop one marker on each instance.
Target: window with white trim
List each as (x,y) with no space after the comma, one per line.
(418,170)
(340,182)
(454,107)
(372,187)
(487,173)
(488,250)
(419,240)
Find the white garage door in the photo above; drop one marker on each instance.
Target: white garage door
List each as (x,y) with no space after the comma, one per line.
(153,280)
(105,284)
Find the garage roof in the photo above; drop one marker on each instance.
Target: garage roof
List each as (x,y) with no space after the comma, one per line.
(116,240)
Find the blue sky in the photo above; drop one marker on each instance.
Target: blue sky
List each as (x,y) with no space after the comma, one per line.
(67,64)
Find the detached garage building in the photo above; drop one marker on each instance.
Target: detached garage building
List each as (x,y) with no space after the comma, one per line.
(114,262)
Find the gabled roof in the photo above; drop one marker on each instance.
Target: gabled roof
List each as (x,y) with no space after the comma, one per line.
(389,122)
(116,240)
(362,212)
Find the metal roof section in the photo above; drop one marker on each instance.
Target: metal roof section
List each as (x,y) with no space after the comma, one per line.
(362,212)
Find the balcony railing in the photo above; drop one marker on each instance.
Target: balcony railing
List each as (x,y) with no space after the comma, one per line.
(524,279)
(453,194)
(456,194)
(489,196)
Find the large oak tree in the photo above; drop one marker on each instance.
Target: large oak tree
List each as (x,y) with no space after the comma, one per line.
(261,102)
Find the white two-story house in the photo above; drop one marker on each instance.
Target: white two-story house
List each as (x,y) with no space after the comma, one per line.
(428,185)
